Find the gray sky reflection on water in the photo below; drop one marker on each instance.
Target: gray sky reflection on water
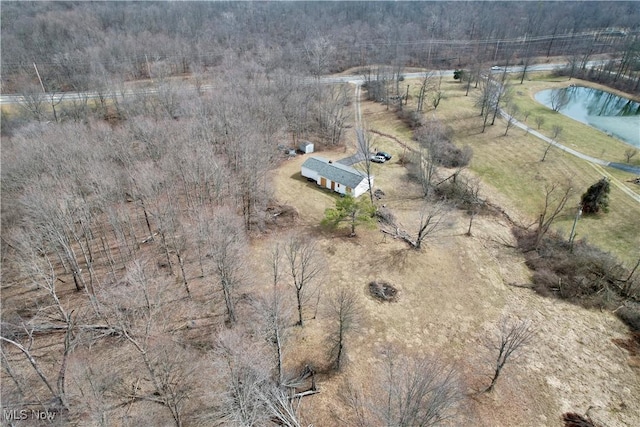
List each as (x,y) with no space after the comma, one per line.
(605,111)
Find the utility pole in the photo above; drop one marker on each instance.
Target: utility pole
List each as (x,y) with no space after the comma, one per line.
(51,95)
(573,228)
(39,79)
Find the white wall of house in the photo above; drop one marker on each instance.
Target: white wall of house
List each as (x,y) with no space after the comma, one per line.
(308,173)
(337,187)
(362,188)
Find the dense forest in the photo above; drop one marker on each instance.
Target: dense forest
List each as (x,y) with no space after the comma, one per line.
(78,45)
(132,294)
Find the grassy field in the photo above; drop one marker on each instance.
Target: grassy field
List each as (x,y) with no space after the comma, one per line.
(455,290)
(510,166)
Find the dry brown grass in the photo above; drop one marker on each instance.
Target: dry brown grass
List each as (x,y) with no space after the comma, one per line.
(451,297)
(453,292)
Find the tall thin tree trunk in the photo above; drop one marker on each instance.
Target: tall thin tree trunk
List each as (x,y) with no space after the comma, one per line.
(299,300)
(226,290)
(166,251)
(184,275)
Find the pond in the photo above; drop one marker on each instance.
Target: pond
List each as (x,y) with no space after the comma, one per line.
(612,114)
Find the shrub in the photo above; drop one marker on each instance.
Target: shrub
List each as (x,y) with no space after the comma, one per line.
(413,119)
(454,157)
(597,197)
(462,192)
(581,273)
(630,314)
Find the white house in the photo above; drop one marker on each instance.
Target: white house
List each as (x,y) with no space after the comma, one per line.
(340,178)
(306,147)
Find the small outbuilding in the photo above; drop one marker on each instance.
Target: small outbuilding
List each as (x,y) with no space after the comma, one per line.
(306,147)
(339,178)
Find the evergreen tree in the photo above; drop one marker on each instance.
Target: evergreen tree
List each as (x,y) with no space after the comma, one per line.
(350,210)
(597,197)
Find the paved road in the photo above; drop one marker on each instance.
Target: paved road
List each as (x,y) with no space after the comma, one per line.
(355,79)
(358,80)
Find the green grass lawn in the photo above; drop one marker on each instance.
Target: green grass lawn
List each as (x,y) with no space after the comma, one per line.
(512,165)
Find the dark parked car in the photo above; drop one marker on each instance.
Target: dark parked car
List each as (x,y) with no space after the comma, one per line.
(384,154)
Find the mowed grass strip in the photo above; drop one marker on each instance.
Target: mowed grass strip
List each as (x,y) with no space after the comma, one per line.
(512,164)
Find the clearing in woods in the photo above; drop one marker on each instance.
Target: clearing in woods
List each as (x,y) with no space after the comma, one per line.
(453,293)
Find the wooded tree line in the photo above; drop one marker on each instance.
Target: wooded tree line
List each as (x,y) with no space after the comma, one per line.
(622,73)
(79,46)
(119,235)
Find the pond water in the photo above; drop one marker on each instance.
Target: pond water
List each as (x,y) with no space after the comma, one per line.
(605,111)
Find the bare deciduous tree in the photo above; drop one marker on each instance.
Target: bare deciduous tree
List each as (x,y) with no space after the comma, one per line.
(431,220)
(438,94)
(59,399)
(486,99)
(407,392)
(304,262)
(281,407)
(343,309)
(227,252)
(556,131)
(244,377)
(545,152)
(512,338)
(559,99)
(276,314)
(333,113)
(365,148)
(32,101)
(52,317)
(424,87)
(503,95)
(630,153)
(556,197)
(427,157)
(474,75)
(139,313)
(318,54)
(167,96)
(512,111)
(474,201)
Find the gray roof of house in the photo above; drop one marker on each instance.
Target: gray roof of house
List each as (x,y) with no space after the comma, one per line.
(345,175)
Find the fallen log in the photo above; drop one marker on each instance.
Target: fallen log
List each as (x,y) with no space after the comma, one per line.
(400,234)
(303,394)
